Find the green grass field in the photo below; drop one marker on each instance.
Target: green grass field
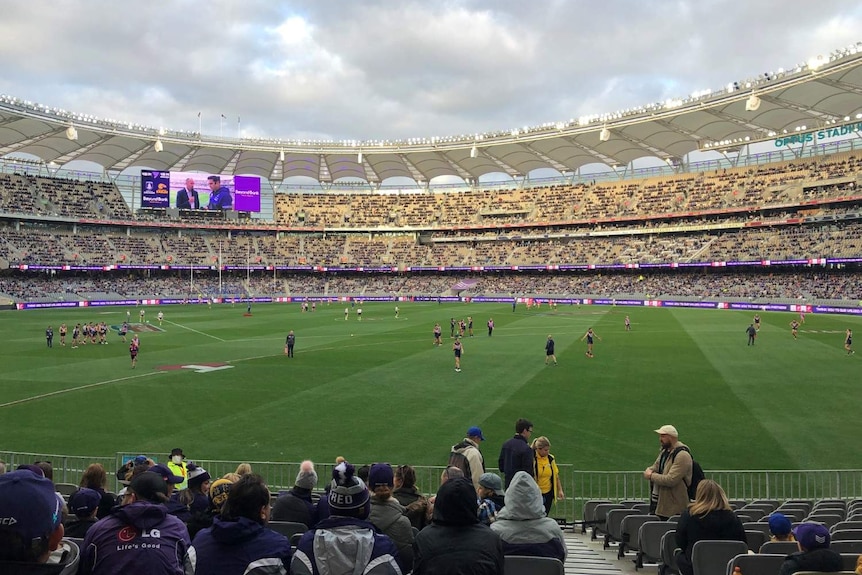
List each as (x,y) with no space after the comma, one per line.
(379,390)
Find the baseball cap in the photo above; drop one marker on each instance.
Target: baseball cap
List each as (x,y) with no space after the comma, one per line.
(779,524)
(380,474)
(667,430)
(166,473)
(149,487)
(84,501)
(29,505)
(475,432)
(812,535)
(492,481)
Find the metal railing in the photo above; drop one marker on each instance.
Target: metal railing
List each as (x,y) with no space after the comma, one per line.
(579,486)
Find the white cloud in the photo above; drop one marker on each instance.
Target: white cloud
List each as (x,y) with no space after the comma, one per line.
(375,69)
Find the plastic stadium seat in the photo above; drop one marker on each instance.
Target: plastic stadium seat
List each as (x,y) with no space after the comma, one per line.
(629,530)
(759,564)
(523,565)
(847,525)
(758,526)
(649,541)
(614,525)
(600,517)
(710,557)
(779,547)
(287,528)
(590,512)
(853,546)
(755,539)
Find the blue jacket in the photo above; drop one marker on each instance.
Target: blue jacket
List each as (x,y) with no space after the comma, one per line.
(221,199)
(339,544)
(136,538)
(238,547)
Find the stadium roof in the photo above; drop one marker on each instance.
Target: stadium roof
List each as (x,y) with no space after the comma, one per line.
(810,97)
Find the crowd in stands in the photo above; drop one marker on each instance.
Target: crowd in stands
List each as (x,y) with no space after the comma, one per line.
(802,285)
(177,518)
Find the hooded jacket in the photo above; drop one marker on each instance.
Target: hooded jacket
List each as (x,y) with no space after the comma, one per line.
(522,524)
(344,546)
(295,505)
(136,538)
(238,547)
(390,519)
(456,543)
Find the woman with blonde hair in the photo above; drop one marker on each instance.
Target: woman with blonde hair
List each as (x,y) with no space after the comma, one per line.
(709,516)
(243,469)
(546,473)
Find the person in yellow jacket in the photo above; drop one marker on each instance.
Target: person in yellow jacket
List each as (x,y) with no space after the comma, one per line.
(546,473)
(177,465)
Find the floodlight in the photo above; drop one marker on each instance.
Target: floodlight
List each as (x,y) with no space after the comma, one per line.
(359,157)
(71,132)
(281,155)
(604,135)
(474,151)
(752,104)
(158,146)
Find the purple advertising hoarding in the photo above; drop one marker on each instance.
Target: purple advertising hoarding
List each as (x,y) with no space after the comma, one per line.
(155,189)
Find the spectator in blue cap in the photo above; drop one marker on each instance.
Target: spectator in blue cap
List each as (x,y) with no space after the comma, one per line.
(83,505)
(31,525)
(780,527)
(469,447)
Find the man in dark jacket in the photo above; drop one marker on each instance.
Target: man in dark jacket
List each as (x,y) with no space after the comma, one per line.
(814,553)
(516,454)
(239,543)
(139,537)
(456,543)
(296,505)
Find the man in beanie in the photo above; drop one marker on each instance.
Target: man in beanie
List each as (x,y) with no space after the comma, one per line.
(345,542)
(31,526)
(456,543)
(138,537)
(814,553)
(388,515)
(83,505)
(296,505)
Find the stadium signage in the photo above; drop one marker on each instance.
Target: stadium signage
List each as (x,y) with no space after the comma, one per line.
(808,137)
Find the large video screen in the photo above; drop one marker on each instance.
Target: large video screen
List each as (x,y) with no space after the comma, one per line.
(198,191)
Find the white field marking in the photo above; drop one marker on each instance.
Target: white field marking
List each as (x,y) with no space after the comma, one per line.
(79,388)
(195,331)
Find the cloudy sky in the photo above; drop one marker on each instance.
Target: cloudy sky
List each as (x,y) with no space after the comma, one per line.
(396,69)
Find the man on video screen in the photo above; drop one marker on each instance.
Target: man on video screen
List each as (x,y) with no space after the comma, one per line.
(187,198)
(220,196)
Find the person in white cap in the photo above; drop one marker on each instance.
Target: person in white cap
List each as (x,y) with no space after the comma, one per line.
(669,475)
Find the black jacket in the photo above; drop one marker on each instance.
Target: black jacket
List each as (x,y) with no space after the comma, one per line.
(456,543)
(295,505)
(515,455)
(718,524)
(815,560)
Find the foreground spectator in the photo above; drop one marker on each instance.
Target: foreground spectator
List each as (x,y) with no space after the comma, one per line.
(708,517)
(296,505)
(345,542)
(456,543)
(522,524)
(96,478)
(780,527)
(415,504)
(239,543)
(388,515)
(138,537)
(83,507)
(31,526)
(814,553)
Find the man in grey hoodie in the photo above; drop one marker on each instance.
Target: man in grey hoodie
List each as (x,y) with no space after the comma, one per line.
(522,524)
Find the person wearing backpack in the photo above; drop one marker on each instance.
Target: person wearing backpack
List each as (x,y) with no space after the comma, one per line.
(466,456)
(670,475)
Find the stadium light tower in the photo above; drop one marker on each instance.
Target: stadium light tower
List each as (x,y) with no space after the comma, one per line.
(158,146)
(604,135)
(72,132)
